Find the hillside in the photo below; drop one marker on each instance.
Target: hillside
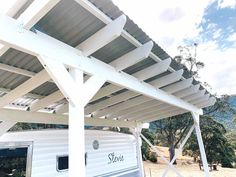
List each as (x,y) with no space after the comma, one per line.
(227,119)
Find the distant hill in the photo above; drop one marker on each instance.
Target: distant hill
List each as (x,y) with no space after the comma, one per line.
(227,119)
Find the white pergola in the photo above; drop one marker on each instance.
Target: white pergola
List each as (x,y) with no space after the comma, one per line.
(91,65)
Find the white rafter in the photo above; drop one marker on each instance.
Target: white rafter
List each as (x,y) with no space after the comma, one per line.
(16,70)
(153,70)
(25,88)
(167,79)
(194,96)
(178,86)
(31,15)
(188,91)
(132,57)
(103,36)
(5,126)
(46,101)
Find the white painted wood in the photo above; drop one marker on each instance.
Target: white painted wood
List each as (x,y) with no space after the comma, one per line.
(168,79)
(32,43)
(36,11)
(140,75)
(16,70)
(112,110)
(201,99)
(178,86)
(188,91)
(25,88)
(62,78)
(103,17)
(110,101)
(76,128)
(153,70)
(132,109)
(179,151)
(132,57)
(106,91)
(109,122)
(5,126)
(32,117)
(160,154)
(91,87)
(62,109)
(194,96)
(200,143)
(46,101)
(103,36)
(18,4)
(156,108)
(31,15)
(207,103)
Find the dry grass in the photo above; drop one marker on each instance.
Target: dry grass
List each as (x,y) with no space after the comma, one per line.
(185,166)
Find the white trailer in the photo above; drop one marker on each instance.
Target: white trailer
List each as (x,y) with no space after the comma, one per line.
(107,153)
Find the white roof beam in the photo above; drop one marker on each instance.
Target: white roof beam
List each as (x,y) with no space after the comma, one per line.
(16,7)
(32,43)
(167,79)
(103,36)
(178,86)
(16,70)
(153,114)
(147,111)
(36,10)
(132,57)
(46,101)
(32,117)
(116,108)
(211,101)
(62,109)
(153,70)
(194,96)
(188,91)
(25,88)
(200,99)
(133,109)
(5,126)
(110,101)
(140,75)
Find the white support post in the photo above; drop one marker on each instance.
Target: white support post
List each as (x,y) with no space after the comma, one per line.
(76,131)
(200,143)
(160,154)
(5,126)
(179,150)
(136,132)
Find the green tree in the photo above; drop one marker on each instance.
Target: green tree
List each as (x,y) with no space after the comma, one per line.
(171,131)
(218,149)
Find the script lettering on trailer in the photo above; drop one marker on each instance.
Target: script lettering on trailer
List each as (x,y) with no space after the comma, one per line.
(113,158)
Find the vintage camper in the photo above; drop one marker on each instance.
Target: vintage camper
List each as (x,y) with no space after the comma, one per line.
(44,153)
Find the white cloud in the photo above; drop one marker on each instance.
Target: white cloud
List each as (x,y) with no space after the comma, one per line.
(167,22)
(232,37)
(226,3)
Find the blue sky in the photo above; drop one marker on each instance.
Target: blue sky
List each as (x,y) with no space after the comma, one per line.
(210,23)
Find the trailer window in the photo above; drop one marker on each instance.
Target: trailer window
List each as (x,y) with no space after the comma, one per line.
(13,162)
(62,163)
